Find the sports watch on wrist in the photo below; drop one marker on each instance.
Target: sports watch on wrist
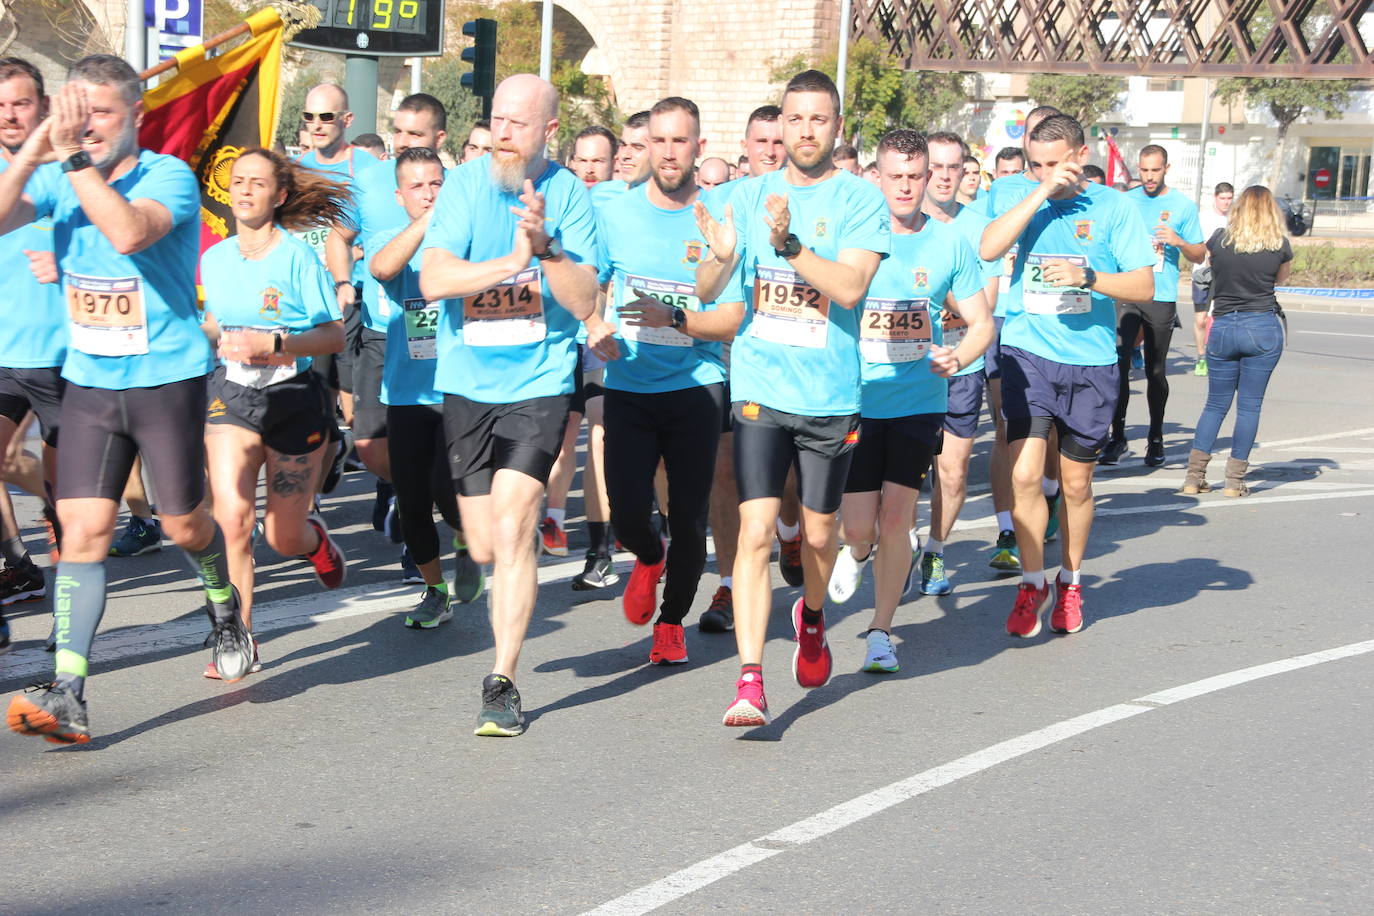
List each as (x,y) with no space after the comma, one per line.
(791,247)
(679,319)
(554,249)
(77,161)
(1089,278)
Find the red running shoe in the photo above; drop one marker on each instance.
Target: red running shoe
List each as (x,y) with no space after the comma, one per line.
(750,708)
(641,594)
(789,560)
(811,662)
(328,559)
(670,647)
(1067,616)
(552,539)
(1030,604)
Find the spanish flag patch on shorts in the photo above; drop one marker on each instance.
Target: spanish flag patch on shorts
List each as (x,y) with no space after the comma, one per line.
(750,410)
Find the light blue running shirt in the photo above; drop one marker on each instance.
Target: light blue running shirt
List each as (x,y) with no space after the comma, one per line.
(408,374)
(1097,228)
(796,351)
(645,247)
(900,320)
(35,314)
(970,224)
(287,289)
(1181,215)
(514,341)
(133,319)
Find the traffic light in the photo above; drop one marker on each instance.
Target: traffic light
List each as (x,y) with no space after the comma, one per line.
(481,81)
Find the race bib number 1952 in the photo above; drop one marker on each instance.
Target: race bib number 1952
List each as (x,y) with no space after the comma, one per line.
(788,310)
(107,315)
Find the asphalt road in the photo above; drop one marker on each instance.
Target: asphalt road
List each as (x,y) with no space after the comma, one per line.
(1200,747)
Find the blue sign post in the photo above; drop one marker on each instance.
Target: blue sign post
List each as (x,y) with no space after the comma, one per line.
(172,25)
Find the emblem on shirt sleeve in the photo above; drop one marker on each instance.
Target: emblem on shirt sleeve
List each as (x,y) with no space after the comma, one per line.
(693,253)
(1083,230)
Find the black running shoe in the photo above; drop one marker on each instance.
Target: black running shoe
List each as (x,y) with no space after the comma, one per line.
(500,716)
(56,714)
(410,573)
(468,578)
(1117,448)
(598,573)
(336,467)
(1154,453)
(720,616)
(381,504)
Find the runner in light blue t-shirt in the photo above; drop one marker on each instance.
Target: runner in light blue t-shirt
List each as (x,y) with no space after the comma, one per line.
(511,250)
(126,234)
(665,382)
(793,260)
(269,304)
(1171,219)
(1082,246)
(414,407)
(906,366)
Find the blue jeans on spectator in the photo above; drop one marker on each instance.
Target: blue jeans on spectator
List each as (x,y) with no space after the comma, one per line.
(1242,351)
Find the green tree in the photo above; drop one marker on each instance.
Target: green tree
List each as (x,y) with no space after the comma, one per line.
(879,95)
(442,79)
(293,103)
(1289,99)
(1086,97)
(584,101)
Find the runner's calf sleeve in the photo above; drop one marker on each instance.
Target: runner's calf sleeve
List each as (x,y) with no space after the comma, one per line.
(212,566)
(78,605)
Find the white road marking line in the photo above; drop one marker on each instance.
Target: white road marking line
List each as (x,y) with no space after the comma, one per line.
(1329,449)
(695,877)
(1332,333)
(1348,434)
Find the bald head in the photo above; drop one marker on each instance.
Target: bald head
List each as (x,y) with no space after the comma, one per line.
(326,116)
(712,172)
(524,118)
(528,92)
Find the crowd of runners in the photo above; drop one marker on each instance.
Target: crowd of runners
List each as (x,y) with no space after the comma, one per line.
(778,350)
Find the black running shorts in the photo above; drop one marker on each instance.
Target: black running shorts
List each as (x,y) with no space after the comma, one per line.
(104,430)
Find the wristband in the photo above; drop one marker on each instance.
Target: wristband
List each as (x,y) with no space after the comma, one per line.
(278,342)
(338,283)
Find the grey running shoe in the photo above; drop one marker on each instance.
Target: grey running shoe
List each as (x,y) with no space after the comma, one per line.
(232,643)
(434,608)
(56,714)
(468,578)
(500,716)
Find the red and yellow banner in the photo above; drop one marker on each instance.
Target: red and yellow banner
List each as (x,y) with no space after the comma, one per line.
(214,108)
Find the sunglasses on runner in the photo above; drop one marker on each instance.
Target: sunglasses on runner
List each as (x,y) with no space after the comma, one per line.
(324,117)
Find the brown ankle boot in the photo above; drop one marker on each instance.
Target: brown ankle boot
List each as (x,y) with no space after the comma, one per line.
(1196,480)
(1235,478)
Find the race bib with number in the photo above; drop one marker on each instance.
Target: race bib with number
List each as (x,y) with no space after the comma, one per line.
(1041,297)
(422,320)
(314,237)
(895,330)
(671,294)
(508,314)
(788,310)
(953,328)
(1008,267)
(107,315)
(259,373)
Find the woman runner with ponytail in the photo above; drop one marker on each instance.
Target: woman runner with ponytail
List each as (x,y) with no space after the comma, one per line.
(270,305)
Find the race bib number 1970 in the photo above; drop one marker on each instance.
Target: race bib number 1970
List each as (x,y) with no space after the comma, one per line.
(107,315)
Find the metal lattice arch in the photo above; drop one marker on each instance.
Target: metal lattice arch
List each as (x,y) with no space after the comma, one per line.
(1268,38)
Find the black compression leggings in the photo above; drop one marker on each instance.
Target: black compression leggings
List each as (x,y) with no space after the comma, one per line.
(681,427)
(1157,318)
(420,474)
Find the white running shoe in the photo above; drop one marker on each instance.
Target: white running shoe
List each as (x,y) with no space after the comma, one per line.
(848,573)
(880,657)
